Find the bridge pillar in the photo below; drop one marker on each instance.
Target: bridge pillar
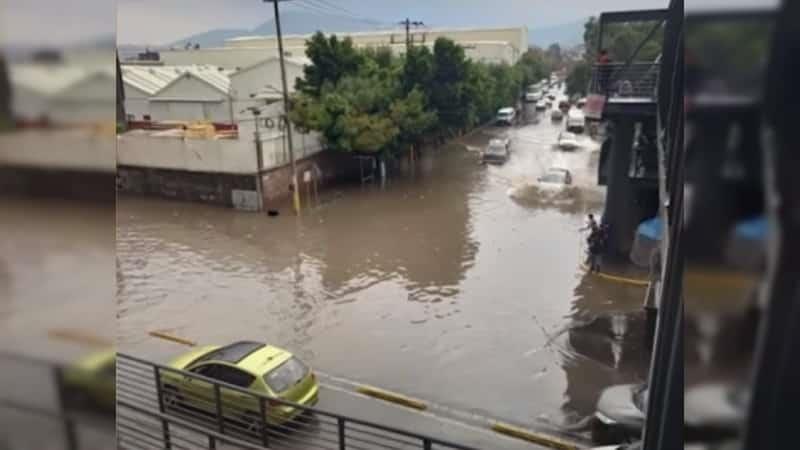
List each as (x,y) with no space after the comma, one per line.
(621,209)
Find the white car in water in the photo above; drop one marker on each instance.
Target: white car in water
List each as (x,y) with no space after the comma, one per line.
(557,115)
(556,176)
(533,96)
(506,116)
(567,141)
(497,152)
(541,105)
(576,121)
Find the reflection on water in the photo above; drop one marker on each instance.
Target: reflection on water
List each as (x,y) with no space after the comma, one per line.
(454,282)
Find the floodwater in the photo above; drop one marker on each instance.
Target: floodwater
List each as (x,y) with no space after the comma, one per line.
(455,282)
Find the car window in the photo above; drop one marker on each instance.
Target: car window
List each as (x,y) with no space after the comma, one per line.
(206,370)
(286,375)
(234,376)
(232,353)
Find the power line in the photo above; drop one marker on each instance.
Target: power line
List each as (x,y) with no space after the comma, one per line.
(319,6)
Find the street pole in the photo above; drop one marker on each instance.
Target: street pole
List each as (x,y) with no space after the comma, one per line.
(408,23)
(294,186)
(259,162)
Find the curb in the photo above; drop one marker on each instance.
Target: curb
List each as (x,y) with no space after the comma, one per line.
(619,279)
(533,437)
(162,335)
(392,397)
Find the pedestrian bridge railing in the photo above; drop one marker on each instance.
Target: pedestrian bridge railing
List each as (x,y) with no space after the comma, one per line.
(625,81)
(151,410)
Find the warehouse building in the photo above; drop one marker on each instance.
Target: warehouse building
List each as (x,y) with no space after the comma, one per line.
(490,45)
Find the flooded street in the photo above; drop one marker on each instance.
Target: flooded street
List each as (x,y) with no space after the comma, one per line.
(456,282)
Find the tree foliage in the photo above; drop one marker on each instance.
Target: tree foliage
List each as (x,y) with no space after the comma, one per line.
(331,60)
(372,101)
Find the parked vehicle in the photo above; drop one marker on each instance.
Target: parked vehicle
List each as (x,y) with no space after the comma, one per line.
(497,152)
(556,176)
(556,115)
(712,412)
(581,103)
(541,105)
(506,116)
(532,96)
(90,382)
(261,368)
(620,413)
(567,140)
(563,105)
(576,121)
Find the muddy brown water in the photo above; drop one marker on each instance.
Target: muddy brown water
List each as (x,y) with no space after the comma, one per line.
(455,282)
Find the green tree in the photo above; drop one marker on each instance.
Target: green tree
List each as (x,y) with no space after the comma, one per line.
(412,118)
(418,69)
(447,94)
(331,60)
(577,81)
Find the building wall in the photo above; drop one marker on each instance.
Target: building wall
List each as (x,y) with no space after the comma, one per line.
(233,156)
(255,79)
(517,37)
(228,58)
(137,102)
(190,99)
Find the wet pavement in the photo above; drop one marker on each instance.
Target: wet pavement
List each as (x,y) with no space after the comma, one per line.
(455,282)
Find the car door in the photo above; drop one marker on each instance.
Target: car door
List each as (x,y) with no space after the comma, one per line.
(198,392)
(236,402)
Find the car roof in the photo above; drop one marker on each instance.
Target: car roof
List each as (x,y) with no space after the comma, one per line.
(264,360)
(232,353)
(505,110)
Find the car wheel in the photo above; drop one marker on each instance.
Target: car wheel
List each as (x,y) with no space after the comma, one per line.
(603,434)
(171,397)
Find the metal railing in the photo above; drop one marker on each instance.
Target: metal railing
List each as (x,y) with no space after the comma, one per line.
(182,408)
(36,394)
(618,80)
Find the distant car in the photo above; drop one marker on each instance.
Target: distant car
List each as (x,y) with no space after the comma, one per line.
(531,97)
(576,121)
(497,152)
(261,368)
(556,176)
(541,105)
(556,115)
(563,105)
(567,140)
(551,96)
(506,116)
(619,414)
(581,103)
(91,382)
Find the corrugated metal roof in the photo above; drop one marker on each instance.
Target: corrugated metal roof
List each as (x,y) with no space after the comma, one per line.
(152,79)
(47,79)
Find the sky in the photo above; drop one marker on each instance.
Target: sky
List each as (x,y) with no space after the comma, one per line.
(161,21)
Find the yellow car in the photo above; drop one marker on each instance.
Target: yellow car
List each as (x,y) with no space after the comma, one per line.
(91,381)
(261,368)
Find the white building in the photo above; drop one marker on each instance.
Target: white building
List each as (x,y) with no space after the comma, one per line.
(63,93)
(491,45)
(205,92)
(261,84)
(199,94)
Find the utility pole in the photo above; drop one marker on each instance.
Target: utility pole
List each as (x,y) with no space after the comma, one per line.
(408,23)
(294,186)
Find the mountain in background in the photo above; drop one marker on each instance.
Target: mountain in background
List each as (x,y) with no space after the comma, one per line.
(566,35)
(292,22)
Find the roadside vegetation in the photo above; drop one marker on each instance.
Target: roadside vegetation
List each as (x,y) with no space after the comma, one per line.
(371,101)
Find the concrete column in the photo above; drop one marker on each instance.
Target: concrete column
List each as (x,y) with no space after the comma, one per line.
(621,211)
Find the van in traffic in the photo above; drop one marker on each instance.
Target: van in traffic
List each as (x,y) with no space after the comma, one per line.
(576,121)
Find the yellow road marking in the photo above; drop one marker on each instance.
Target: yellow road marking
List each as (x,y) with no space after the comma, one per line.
(169,337)
(534,437)
(392,397)
(617,278)
(80,336)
